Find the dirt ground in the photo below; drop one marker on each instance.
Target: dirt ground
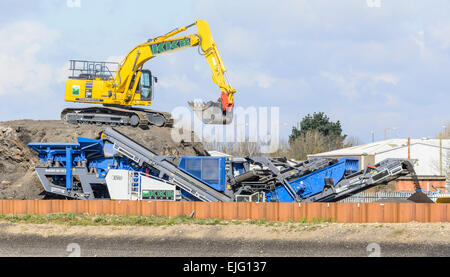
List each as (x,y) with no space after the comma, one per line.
(17,160)
(325,232)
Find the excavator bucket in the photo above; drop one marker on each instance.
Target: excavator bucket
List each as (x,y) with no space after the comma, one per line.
(212,112)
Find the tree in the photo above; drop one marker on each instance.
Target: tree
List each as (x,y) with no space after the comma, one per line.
(311,142)
(241,149)
(315,134)
(320,122)
(351,141)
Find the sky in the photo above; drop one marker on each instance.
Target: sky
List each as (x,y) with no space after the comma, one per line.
(371,64)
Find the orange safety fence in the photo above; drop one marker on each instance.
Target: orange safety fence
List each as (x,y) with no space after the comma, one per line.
(338,212)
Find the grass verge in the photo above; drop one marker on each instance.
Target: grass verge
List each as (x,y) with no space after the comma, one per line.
(73,219)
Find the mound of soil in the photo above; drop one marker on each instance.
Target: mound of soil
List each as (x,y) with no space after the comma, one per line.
(17,161)
(420,197)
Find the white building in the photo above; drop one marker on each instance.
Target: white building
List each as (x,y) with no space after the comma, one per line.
(426,151)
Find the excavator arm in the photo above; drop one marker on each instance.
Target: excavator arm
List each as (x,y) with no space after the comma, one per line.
(220,112)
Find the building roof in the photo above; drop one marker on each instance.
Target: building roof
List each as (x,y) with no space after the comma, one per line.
(382,146)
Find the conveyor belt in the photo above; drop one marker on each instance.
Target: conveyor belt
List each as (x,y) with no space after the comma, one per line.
(384,172)
(140,154)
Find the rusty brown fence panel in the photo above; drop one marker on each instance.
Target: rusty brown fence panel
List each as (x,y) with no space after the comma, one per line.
(338,212)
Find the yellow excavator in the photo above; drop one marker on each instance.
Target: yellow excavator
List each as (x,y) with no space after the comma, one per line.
(131,85)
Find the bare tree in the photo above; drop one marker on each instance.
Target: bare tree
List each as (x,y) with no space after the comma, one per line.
(283,149)
(351,141)
(241,149)
(311,142)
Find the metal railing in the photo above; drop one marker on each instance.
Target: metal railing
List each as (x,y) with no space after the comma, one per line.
(92,69)
(368,197)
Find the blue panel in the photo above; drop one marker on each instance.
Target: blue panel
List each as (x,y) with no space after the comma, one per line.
(210,170)
(92,147)
(85,148)
(279,194)
(69,168)
(69,154)
(238,168)
(314,183)
(194,166)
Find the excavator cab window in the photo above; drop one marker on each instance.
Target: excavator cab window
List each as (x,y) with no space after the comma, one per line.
(146,85)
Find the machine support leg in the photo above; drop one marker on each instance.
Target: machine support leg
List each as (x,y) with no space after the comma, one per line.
(68,168)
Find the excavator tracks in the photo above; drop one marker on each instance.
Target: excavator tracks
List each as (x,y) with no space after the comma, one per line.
(115,116)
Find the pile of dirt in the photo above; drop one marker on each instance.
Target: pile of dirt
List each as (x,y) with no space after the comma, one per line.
(17,161)
(420,197)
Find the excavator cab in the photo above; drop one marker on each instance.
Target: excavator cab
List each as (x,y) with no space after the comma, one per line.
(146,85)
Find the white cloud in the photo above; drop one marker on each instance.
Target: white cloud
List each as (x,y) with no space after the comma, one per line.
(251,78)
(115,59)
(180,83)
(350,84)
(441,35)
(387,78)
(347,86)
(21,71)
(393,101)
(432,44)
(264,80)
(63,73)
(240,42)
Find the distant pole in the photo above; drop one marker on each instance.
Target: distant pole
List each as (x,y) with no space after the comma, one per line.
(385,129)
(373,136)
(409,148)
(440,153)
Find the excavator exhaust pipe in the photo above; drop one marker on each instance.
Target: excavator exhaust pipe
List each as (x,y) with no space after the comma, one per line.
(212,112)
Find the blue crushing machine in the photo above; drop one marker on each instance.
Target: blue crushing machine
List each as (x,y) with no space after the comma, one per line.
(117,167)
